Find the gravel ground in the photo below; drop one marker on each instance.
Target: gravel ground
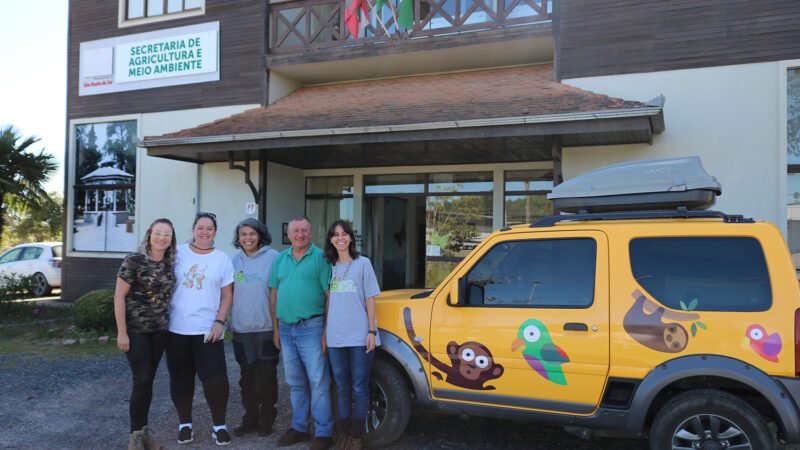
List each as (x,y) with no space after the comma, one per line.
(59,402)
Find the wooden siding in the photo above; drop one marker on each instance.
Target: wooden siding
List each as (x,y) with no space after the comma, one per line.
(242,49)
(617,36)
(81,275)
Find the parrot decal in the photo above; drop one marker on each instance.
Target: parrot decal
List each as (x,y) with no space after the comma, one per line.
(767,347)
(540,352)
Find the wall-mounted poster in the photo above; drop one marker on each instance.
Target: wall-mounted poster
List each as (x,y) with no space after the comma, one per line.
(105,187)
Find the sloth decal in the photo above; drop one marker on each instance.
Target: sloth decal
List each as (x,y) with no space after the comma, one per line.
(645,322)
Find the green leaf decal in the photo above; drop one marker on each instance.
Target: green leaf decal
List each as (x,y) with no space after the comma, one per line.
(694,329)
(693,304)
(701,325)
(683,306)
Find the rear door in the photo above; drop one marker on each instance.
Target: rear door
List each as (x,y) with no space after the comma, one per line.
(531,328)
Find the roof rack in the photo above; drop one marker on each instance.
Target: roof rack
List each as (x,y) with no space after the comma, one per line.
(679,213)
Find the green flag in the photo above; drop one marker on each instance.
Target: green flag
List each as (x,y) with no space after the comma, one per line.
(406,15)
(379,6)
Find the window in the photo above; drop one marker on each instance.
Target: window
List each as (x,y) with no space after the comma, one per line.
(105,188)
(711,273)
(526,196)
(31,253)
(10,256)
(57,251)
(793,161)
(546,273)
(328,199)
(141,9)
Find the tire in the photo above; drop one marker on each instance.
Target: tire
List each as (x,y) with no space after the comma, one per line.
(714,418)
(389,405)
(42,287)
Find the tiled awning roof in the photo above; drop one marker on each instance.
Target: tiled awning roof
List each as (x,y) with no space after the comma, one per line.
(450,106)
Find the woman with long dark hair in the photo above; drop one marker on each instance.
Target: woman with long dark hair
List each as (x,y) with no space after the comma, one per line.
(141,307)
(351,331)
(200,305)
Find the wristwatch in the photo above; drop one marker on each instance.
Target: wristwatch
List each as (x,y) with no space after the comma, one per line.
(374,332)
(221,322)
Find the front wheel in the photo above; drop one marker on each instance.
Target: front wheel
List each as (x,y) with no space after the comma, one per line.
(41,287)
(389,405)
(709,419)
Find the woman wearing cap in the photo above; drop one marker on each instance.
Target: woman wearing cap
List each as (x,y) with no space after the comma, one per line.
(200,304)
(252,327)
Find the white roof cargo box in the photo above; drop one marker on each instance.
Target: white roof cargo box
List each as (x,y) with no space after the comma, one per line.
(655,184)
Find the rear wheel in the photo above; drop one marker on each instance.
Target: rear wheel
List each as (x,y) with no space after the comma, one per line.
(389,405)
(709,420)
(41,287)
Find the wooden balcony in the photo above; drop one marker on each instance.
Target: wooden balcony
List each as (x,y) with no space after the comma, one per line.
(312,25)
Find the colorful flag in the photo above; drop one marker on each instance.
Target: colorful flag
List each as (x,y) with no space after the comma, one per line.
(405,17)
(355,17)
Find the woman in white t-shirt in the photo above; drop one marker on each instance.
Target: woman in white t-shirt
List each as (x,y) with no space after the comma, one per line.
(200,304)
(351,331)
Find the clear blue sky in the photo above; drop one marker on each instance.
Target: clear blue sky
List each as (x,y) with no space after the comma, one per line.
(33,80)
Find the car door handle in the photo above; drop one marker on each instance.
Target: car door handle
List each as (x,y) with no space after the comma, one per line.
(572,326)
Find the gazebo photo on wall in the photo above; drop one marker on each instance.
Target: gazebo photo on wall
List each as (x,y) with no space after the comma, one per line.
(105,195)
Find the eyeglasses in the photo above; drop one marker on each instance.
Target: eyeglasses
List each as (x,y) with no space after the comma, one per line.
(206,214)
(159,234)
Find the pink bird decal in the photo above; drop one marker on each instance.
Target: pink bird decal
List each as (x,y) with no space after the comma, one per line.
(767,347)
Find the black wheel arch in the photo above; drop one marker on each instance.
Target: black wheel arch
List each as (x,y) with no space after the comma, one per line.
(718,372)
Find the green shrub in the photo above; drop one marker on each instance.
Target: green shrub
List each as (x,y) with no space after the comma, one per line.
(94,310)
(15,287)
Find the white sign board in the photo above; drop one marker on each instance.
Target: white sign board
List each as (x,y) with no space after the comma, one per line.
(146,60)
(250,209)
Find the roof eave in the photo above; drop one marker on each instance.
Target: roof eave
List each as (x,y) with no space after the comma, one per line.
(655,115)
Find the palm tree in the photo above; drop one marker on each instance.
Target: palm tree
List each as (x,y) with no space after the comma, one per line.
(22,173)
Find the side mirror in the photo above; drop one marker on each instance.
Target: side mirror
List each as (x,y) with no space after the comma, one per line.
(461,292)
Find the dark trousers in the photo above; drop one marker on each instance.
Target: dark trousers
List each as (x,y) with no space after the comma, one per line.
(187,356)
(143,356)
(258,361)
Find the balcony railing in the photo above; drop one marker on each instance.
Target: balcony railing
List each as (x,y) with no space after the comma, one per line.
(315,24)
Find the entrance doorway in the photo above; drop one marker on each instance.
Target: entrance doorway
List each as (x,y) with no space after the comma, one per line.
(394,228)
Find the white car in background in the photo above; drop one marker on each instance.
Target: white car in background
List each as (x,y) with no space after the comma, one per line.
(42,260)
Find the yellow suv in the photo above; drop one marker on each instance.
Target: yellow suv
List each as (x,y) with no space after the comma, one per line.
(676,323)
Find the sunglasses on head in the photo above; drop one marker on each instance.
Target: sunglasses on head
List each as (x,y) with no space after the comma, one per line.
(206,214)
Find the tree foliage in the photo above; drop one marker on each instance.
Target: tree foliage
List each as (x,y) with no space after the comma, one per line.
(22,173)
(33,225)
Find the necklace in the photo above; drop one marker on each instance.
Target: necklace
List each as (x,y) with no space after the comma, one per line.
(339,278)
(201,248)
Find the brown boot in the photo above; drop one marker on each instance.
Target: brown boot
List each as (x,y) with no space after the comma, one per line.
(355,444)
(343,442)
(137,441)
(150,441)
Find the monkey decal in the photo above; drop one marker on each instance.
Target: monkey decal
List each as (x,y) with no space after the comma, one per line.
(472,363)
(644,323)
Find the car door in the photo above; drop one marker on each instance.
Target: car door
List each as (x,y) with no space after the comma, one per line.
(28,263)
(9,261)
(526,324)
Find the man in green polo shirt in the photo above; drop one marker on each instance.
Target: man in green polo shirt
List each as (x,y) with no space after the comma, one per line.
(299,280)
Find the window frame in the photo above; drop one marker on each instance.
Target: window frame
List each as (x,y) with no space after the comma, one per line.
(123,20)
(464,303)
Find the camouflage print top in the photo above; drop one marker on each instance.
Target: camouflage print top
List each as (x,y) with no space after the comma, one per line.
(147,302)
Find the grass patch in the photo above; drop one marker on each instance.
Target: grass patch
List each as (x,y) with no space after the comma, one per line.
(22,312)
(33,329)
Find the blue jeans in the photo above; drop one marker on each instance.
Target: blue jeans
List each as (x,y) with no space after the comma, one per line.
(351,368)
(307,374)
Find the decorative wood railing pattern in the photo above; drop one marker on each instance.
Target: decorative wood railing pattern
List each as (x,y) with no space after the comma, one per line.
(314,24)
